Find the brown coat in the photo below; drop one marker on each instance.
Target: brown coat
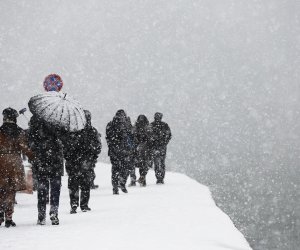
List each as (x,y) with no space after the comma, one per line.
(12,144)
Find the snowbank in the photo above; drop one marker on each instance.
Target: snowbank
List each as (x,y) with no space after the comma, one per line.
(178,215)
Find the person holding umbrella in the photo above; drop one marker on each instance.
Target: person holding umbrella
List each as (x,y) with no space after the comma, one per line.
(48,167)
(54,114)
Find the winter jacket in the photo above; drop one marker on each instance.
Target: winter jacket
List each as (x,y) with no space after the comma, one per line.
(119,139)
(142,138)
(161,134)
(13,143)
(81,149)
(47,147)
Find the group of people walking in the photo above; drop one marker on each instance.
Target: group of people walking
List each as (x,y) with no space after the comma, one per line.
(136,146)
(50,149)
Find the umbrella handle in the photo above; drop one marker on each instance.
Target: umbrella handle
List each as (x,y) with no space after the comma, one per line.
(26,117)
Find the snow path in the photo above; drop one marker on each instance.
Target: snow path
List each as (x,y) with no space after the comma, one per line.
(178,215)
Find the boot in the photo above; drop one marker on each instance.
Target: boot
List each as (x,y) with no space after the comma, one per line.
(123,188)
(9,223)
(115,191)
(132,183)
(54,219)
(142,181)
(73,210)
(85,209)
(160,181)
(41,220)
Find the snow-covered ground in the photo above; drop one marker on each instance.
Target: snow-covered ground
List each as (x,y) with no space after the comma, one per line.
(178,215)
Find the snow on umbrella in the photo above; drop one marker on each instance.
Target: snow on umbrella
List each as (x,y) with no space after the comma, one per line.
(59,110)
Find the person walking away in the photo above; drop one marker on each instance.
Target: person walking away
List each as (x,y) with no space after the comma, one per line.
(13,144)
(119,150)
(161,135)
(81,150)
(131,145)
(95,146)
(48,167)
(142,139)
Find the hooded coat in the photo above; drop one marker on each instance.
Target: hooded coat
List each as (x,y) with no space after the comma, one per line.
(119,138)
(13,143)
(142,139)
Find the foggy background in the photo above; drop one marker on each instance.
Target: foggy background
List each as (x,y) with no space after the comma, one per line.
(224,73)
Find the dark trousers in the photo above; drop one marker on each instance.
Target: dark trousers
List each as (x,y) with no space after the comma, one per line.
(119,171)
(132,173)
(159,159)
(79,182)
(130,169)
(143,165)
(44,184)
(92,174)
(7,201)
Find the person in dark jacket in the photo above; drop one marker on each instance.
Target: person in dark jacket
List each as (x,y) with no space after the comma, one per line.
(119,150)
(81,150)
(161,135)
(142,140)
(94,136)
(13,144)
(47,165)
(131,157)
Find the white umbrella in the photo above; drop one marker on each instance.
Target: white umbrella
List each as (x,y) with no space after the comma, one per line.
(58,109)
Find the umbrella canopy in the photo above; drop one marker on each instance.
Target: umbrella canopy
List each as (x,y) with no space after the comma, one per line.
(59,110)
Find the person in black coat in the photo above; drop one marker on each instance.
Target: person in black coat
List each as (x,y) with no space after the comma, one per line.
(130,139)
(81,150)
(47,166)
(161,135)
(119,150)
(94,136)
(142,140)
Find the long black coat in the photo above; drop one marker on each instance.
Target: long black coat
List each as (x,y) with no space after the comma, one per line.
(142,139)
(47,147)
(119,139)
(161,134)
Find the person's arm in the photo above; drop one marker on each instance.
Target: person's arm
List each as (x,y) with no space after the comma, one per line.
(168,134)
(23,144)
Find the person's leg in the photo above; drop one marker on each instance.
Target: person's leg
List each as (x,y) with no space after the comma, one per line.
(93,177)
(85,191)
(143,169)
(163,165)
(7,202)
(160,167)
(43,186)
(132,171)
(3,193)
(9,208)
(132,175)
(55,186)
(73,185)
(123,174)
(115,175)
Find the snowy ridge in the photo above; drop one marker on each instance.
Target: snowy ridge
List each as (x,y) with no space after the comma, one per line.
(178,215)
